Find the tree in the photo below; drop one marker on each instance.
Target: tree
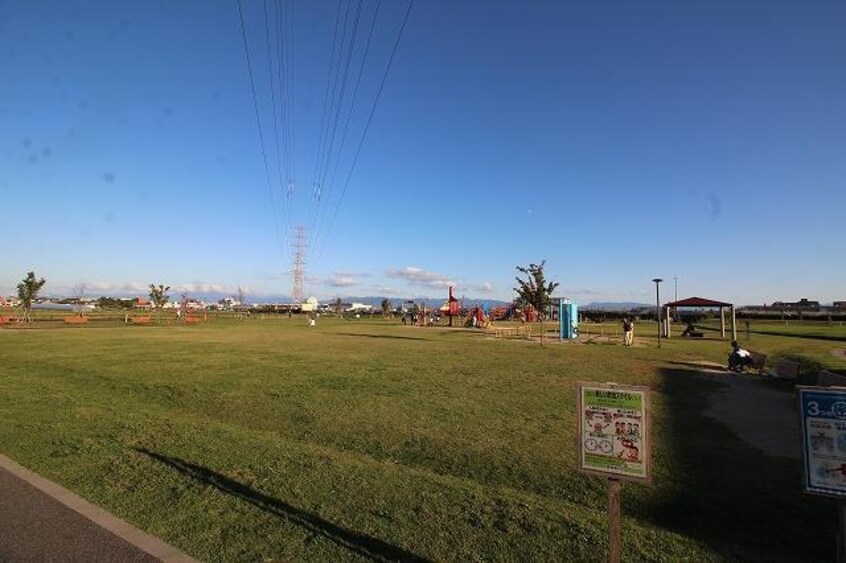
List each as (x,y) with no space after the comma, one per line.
(78,295)
(386,307)
(534,290)
(339,306)
(27,292)
(159,296)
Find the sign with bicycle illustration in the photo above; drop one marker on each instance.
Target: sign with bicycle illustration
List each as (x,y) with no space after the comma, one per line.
(823,419)
(614,431)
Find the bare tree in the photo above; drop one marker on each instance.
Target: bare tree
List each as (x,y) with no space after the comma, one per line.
(78,293)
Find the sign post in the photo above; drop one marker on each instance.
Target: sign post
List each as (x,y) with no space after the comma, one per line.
(822,415)
(614,442)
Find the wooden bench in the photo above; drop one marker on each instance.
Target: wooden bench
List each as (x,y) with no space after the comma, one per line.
(828,379)
(786,369)
(8,320)
(140,320)
(76,320)
(759,361)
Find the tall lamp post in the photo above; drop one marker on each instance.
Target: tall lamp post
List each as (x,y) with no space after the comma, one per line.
(658,308)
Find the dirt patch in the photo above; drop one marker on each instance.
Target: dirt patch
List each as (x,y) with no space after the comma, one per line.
(763,417)
(840,353)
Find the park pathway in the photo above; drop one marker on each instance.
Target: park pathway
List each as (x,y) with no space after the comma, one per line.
(41,521)
(759,414)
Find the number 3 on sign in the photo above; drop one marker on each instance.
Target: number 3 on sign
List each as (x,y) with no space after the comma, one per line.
(813,408)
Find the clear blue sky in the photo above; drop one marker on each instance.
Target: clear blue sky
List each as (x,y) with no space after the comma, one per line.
(619,141)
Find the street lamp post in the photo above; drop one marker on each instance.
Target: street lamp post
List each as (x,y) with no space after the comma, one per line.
(658,308)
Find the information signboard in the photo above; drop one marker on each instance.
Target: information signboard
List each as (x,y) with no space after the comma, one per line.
(823,419)
(614,431)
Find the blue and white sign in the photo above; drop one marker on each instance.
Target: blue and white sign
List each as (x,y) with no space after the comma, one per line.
(823,418)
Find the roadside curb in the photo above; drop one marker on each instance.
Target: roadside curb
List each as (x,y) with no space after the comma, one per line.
(123,530)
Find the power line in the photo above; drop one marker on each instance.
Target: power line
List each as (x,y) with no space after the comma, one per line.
(352,106)
(326,99)
(339,106)
(258,122)
(369,121)
(275,119)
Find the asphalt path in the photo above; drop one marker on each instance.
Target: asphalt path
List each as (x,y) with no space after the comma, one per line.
(41,521)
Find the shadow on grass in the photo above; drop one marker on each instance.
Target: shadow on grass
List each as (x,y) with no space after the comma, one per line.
(700,366)
(389,336)
(361,544)
(730,495)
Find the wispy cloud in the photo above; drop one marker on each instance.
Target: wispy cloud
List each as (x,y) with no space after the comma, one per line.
(385,290)
(419,277)
(571,291)
(341,281)
(484,287)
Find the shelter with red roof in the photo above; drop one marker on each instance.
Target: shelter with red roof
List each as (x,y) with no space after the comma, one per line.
(703,303)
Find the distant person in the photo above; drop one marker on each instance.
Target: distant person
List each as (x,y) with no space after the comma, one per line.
(738,358)
(628,331)
(689,330)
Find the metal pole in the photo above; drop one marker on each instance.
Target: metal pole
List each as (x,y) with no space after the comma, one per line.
(658,307)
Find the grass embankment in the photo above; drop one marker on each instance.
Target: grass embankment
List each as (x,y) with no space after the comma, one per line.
(269,439)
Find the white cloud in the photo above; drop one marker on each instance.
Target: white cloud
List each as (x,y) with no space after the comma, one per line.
(385,290)
(485,287)
(419,277)
(341,281)
(570,291)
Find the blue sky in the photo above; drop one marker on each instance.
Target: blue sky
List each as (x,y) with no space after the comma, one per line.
(619,141)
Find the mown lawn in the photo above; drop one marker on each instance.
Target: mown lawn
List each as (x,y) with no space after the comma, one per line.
(267,439)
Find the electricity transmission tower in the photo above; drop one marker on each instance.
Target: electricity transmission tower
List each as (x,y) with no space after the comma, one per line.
(299,265)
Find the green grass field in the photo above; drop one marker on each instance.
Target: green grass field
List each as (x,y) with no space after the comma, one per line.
(270,440)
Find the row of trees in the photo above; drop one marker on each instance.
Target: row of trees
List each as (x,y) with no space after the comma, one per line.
(534,290)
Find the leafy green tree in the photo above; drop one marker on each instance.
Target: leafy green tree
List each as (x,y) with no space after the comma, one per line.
(27,292)
(386,307)
(535,290)
(159,297)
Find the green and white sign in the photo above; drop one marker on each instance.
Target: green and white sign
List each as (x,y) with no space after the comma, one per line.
(614,430)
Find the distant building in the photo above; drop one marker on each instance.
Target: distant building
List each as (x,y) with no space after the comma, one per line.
(801,305)
(839,304)
(309,305)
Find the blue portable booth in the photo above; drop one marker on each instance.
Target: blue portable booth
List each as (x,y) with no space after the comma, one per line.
(568,319)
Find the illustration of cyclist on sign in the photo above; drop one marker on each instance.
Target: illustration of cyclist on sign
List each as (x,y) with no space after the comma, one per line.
(823,419)
(613,430)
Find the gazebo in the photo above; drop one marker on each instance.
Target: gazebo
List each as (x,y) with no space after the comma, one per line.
(699,303)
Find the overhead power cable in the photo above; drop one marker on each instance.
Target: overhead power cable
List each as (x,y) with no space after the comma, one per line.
(331,182)
(367,125)
(258,123)
(275,118)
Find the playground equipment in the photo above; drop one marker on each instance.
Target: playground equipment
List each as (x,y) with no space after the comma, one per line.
(568,319)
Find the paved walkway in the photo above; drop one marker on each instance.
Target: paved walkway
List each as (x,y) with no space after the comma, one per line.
(41,521)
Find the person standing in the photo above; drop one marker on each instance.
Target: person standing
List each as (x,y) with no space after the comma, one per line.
(628,331)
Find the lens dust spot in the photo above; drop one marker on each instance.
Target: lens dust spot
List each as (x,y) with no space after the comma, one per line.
(46,152)
(108,177)
(168,111)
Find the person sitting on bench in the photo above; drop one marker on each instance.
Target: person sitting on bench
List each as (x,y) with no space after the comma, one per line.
(689,330)
(738,358)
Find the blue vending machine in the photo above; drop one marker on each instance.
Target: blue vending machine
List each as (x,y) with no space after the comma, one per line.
(568,319)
